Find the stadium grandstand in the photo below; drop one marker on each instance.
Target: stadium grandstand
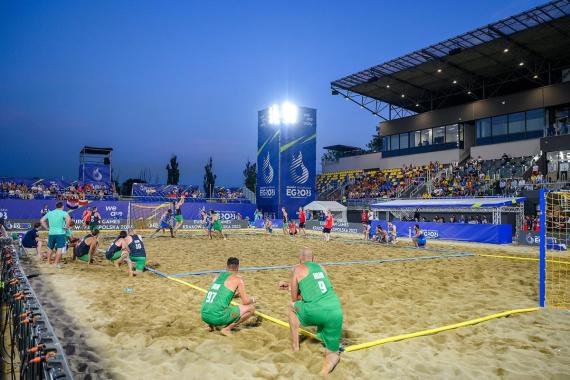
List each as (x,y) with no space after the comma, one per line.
(482,113)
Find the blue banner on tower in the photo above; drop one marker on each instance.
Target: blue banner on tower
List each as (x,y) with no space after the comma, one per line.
(95,173)
(298,155)
(267,164)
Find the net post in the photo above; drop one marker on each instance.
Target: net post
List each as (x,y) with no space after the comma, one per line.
(542,267)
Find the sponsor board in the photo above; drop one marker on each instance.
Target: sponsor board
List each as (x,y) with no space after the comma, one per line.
(338,227)
(529,238)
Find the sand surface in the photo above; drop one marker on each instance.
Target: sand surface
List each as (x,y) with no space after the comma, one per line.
(155,332)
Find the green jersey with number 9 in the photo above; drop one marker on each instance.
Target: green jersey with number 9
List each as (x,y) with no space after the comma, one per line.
(316,285)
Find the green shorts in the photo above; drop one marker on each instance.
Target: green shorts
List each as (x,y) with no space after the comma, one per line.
(94,226)
(228,316)
(217,226)
(83,258)
(327,316)
(56,241)
(139,262)
(116,255)
(179,218)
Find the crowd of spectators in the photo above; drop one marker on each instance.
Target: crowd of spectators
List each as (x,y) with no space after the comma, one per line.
(473,219)
(52,190)
(388,183)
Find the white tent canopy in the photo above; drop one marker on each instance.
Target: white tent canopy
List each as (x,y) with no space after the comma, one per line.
(338,210)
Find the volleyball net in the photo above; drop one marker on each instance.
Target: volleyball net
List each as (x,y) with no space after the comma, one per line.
(554,256)
(147,216)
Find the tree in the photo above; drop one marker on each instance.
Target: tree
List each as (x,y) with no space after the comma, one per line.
(173,171)
(209,179)
(375,145)
(250,175)
(127,187)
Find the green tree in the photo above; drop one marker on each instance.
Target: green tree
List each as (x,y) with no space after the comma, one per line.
(127,187)
(375,145)
(209,178)
(250,175)
(173,171)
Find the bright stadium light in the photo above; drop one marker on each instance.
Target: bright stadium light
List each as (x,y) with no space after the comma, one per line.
(287,113)
(274,114)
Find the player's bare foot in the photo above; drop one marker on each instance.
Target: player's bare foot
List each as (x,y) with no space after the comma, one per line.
(331,361)
(210,328)
(226,332)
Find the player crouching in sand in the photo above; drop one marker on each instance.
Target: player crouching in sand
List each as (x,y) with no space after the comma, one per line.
(87,247)
(117,252)
(314,303)
(137,253)
(217,310)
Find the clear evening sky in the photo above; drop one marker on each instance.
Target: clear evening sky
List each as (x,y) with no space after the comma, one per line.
(152,78)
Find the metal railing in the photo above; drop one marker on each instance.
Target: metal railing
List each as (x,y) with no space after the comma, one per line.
(35,351)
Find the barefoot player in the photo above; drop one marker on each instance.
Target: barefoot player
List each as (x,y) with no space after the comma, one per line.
(302,220)
(217,310)
(178,213)
(87,247)
(419,237)
(165,222)
(137,253)
(314,303)
(117,252)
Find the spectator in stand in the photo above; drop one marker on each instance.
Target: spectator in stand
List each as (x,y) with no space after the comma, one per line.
(3,232)
(44,210)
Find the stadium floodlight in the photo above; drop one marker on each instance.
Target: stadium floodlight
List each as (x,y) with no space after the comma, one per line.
(274,114)
(454,81)
(521,63)
(506,50)
(439,70)
(535,76)
(287,113)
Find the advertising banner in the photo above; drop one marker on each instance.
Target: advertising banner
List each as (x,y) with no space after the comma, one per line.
(95,173)
(478,233)
(338,227)
(298,155)
(114,214)
(267,164)
(529,238)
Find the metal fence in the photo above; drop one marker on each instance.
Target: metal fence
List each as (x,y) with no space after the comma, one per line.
(33,352)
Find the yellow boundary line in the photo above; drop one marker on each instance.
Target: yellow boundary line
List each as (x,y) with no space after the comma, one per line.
(397,338)
(522,258)
(259,314)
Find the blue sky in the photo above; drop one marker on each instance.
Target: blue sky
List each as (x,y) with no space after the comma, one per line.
(152,78)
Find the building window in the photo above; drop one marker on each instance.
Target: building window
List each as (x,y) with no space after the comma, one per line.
(415,139)
(483,128)
(516,123)
(404,141)
(499,125)
(426,137)
(386,143)
(535,120)
(439,135)
(452,133)
(394,142)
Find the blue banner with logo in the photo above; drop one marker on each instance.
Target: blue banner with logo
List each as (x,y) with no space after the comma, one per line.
(95,173)
(478,233)
(267,164)
(298,155)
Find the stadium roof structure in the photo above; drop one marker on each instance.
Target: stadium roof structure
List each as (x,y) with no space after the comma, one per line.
(520,52)
(474,203)
(95,150)
(342,148)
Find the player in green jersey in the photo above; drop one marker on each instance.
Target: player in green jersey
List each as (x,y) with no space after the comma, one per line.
(314,303)
(217,310)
